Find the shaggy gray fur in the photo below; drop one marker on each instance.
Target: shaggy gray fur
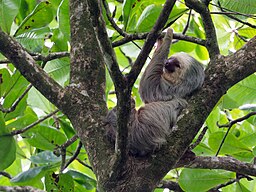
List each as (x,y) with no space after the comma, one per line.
(148,127)
(162,93)
(153,87)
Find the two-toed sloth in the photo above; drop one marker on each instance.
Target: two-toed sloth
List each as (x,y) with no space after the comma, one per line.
(175,77)
(163,87)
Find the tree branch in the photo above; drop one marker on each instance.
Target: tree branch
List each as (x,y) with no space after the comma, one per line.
(20,189)
(27,66)
(225,163)
(140,36)
(150,41)
(16,102)
(20,131)
(123,92)
(211,38)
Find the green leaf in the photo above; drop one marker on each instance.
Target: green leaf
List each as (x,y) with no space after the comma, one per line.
(127,6)
(242,6)
(7,151)
(34,39)
(84,180)
(31,175)
(8,146)
(17,86)
(150,14)
(22,121)
(6,83)
(198,180)
(59,182)
(231,144)
(244,92)
(37,100)
(67,128)
(148,18)
(41,16)
(8,10)
(63,18)
(45,137)
(45,157)
(59,70)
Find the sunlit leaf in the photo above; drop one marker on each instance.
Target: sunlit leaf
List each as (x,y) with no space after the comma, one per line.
(202,180)
(41,16)
(45,157)
(59,182)
(231,144)
(8,10)
(242,6)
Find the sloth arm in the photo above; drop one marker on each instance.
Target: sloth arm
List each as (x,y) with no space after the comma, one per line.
(152,77)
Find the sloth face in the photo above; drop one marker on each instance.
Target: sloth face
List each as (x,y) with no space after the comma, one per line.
(171,64)
(175,67)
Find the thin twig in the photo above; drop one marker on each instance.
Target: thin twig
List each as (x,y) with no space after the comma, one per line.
(199,139)
(78,149)
(235,18)
(188,22)
(16,132)
(230,124)
(18,100)
(111,20)
(5,174)
(84,164)
(40,57)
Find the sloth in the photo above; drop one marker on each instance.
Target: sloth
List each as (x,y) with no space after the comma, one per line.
(166,78)
(163,87)
(149,126)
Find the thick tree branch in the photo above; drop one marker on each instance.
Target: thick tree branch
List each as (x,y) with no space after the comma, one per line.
(88,79)
(20,189)
(150,41)
(27,66)
(211,38)
(122,91)
(225,163)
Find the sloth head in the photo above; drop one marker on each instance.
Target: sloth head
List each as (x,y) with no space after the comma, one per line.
(182,66)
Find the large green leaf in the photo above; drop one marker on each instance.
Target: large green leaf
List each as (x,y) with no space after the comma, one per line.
(59,182)
(45,157)
(32,176)
(201,180)
(7,151)
(82,179)
(8,10)
(150,14)
(242,6)
(63,18)
(45,137)
(16,87)
(41,16)
(37,100)
(22,121)
(231,144)
(59,70)
(243,92)
(34,39)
